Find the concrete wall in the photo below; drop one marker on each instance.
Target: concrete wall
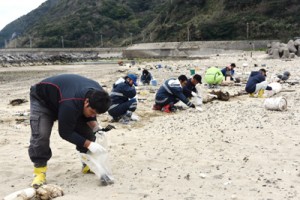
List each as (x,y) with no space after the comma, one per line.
(149,50)
(191,49)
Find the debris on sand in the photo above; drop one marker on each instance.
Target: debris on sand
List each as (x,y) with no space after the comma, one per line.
(16,102)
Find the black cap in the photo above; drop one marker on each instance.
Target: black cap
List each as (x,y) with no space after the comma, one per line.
(198,78)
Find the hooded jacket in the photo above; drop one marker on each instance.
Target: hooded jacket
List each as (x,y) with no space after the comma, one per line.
(255,78)
(213,75)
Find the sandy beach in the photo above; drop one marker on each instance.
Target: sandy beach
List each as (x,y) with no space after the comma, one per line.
(231,150)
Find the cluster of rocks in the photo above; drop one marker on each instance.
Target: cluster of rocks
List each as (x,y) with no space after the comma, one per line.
(282,50)
(19,60)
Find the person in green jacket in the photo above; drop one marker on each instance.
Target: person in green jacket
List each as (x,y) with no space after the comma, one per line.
(213,77)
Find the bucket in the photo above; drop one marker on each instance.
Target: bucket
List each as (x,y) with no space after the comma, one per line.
(154,82)
(279,103)
(192,71)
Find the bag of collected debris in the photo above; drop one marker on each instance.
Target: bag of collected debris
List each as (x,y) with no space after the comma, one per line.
(99,163)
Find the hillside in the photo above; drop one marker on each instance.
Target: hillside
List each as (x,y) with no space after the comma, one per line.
(112,23)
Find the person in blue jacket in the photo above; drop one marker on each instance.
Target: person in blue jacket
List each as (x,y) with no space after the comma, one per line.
(228,72)
(170,93)
(123,101)
(72,100)
(146,77)
(257,83)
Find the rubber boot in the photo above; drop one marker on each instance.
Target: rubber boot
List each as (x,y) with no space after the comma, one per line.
(86,169)
(261,94)
(251,95)
(39,177)
(166,108)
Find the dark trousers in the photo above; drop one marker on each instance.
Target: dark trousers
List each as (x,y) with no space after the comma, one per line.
(41,122)
(170,100)
(122,108)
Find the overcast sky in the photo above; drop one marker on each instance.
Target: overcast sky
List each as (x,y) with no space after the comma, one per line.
(11,10)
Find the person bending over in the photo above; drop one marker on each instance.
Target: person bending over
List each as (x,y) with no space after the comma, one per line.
(72,100)
(170,93)
(257,83)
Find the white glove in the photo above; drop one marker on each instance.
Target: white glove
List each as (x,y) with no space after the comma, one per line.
(96,148)
(134,117)
(194,94)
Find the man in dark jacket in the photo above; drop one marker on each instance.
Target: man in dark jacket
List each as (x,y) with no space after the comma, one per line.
(170,93)
(146,77)
(74,101)
(189,90)
(257,83)
(123,101)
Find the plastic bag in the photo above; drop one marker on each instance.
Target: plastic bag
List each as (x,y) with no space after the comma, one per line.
(99,163)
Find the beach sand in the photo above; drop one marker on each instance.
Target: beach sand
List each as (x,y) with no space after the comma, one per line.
(231,150)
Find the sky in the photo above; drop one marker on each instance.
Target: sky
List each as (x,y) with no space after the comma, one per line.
(11,10)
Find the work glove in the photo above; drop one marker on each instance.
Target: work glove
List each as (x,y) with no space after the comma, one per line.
(194,94)
(96,148)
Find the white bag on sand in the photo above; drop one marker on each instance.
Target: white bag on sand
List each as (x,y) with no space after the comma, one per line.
(276,88)
(197,100)
(99,164)
(279,103)
(27,193)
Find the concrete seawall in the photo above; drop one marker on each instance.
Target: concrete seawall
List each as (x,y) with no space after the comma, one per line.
(33,56)
(191,49)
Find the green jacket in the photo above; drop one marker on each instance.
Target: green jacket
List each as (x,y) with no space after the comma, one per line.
(213,75)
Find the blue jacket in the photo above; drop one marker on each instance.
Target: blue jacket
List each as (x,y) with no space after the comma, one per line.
(170,88)
(224,71)
(64,95)
(121,92)
(255,78)
(189,88)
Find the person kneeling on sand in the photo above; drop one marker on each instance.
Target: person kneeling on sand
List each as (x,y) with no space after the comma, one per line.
(170,93)
(146,77)
(213,77)
(74,101)
(123,101)
(228,72)
(257,83)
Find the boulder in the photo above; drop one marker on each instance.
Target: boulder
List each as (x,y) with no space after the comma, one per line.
(291,46)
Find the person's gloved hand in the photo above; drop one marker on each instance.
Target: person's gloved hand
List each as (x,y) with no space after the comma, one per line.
(192,106)
(96,148)
(194,94)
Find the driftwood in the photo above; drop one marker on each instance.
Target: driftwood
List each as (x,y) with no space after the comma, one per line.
(17,102)
(222,96)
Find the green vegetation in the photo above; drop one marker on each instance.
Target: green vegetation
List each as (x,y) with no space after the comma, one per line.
(112,23)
